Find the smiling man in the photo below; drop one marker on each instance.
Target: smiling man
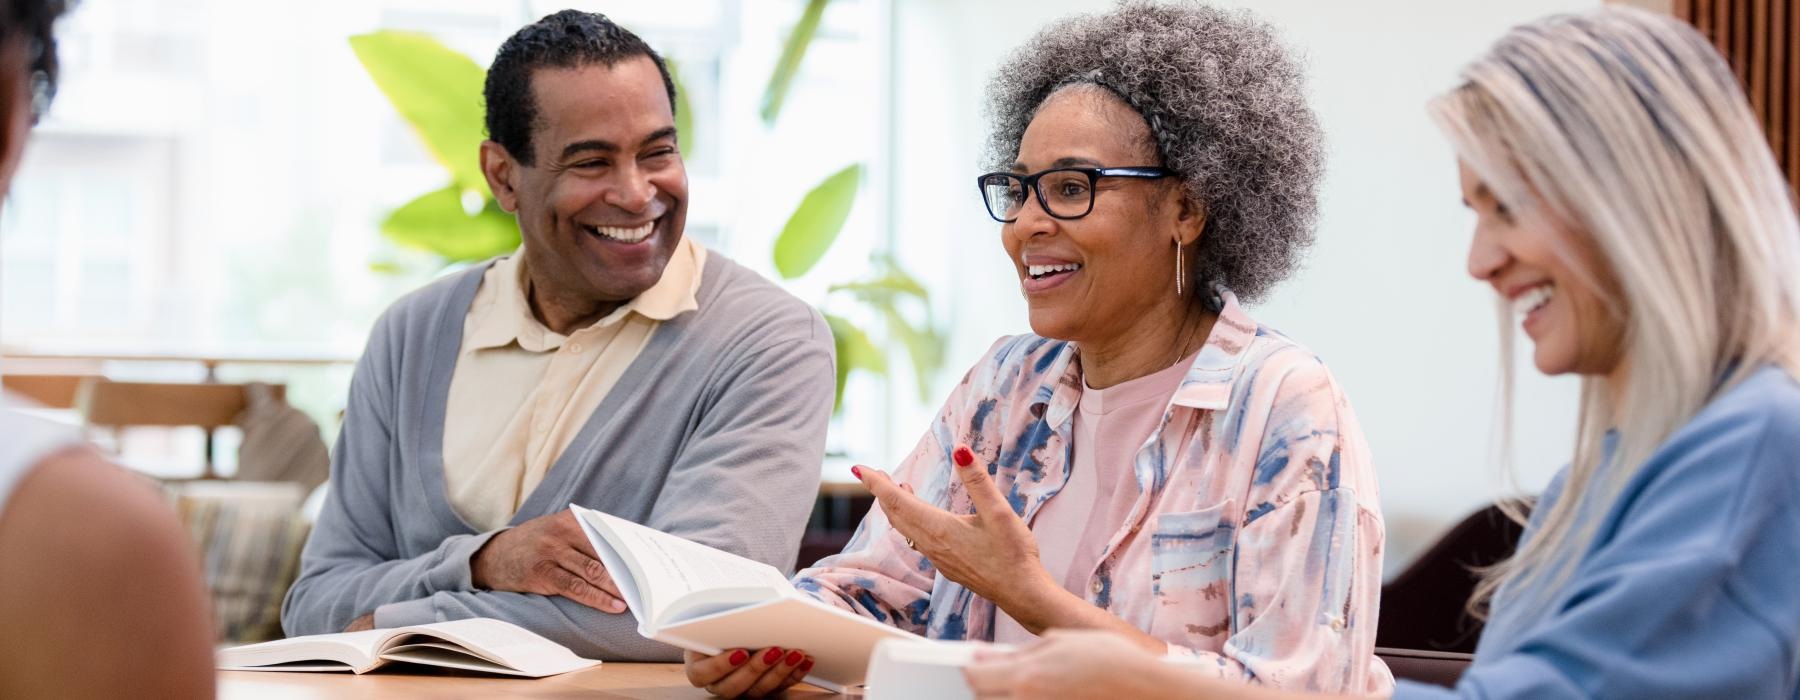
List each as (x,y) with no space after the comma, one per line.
(610,362)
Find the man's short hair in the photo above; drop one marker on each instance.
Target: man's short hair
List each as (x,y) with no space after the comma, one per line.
(567,39)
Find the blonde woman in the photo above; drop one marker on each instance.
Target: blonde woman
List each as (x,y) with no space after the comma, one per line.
(1630,215)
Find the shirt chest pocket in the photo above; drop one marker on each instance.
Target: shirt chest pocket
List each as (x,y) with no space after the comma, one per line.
(1190,569)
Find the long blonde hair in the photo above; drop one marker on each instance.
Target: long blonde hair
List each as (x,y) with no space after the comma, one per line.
(1629,128)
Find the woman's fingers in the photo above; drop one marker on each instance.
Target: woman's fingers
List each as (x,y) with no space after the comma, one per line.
(800,672)
(779,676)
(795,676)
(909,514)
(703,670)
(986,496)
(740,680)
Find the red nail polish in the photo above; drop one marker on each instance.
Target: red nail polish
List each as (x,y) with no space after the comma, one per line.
(739,657)
(806,667)
(794,657)
(856,472)
(771,656)
(964,457)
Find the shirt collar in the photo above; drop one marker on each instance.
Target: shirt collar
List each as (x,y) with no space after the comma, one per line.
(509,319)
(1207,385)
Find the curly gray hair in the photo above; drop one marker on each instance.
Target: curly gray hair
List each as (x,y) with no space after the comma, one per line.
(1225,104)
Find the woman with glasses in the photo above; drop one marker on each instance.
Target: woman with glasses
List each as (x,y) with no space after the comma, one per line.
(1630,217)
(1151,460)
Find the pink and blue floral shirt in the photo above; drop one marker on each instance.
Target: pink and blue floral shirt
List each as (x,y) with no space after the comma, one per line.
(1255,539)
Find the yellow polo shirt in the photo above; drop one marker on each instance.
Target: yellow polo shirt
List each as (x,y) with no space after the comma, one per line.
(521,392)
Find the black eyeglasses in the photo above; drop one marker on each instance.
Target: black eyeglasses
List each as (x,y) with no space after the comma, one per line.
(1065,193)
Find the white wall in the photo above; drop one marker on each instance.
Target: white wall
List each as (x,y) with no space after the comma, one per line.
(1384,298)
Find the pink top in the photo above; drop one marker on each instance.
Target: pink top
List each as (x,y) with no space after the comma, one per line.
(1111,425)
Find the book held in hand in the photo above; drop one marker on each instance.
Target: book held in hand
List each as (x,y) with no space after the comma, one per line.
(477,644)
(705,600)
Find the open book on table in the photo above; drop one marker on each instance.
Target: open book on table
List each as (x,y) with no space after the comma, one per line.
(699,598)
(478,644)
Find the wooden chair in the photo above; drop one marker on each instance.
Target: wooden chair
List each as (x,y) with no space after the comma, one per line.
(47,390)
(208,405)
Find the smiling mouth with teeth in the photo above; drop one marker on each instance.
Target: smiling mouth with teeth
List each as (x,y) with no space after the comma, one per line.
(1533,299)
(623,235)
(1038,272)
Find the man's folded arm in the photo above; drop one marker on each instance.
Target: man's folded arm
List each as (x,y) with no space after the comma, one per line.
(351,564)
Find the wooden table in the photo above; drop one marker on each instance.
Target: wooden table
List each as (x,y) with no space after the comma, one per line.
(608,680)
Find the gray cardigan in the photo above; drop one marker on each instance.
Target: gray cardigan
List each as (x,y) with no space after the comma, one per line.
(715,433)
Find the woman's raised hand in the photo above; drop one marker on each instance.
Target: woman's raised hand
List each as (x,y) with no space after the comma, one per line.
(991,553)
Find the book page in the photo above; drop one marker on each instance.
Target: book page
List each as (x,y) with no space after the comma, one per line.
(481,639)
(344,651)
(666,568)
(447,656)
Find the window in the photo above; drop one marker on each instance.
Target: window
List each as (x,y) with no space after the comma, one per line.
(212,176)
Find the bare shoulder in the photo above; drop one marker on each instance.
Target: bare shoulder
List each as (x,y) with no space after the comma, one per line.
(83,513)
(99,572)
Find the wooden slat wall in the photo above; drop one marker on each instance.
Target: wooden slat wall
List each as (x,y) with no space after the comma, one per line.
(1757,39)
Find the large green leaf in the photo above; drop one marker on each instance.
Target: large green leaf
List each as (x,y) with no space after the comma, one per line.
(854,351)
(925,346)
(436,222)
(885,294)
(438,91)
(789,63)
(814,226)
(894,283)
(684,112)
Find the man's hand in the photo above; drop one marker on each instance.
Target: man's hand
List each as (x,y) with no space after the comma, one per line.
(547,556)
(366,622)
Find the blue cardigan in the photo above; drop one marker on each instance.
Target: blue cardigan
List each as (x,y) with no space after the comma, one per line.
(1691,588)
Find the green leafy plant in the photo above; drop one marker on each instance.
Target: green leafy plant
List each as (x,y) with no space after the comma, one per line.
(886,295)
(438,91)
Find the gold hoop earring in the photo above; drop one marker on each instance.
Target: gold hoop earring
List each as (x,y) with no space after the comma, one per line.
(1178,270)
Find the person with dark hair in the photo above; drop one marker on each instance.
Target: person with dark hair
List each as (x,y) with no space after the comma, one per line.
(94,566)
(1150,460)
(611,362)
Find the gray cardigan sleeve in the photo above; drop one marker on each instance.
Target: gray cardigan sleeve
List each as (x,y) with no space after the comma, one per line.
(743,482)
(351,564)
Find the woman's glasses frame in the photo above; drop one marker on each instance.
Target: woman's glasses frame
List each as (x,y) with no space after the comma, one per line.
(1034,183)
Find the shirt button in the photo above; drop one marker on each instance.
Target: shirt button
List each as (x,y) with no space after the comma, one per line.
(575,348)
(1337,624)
(1097,586)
